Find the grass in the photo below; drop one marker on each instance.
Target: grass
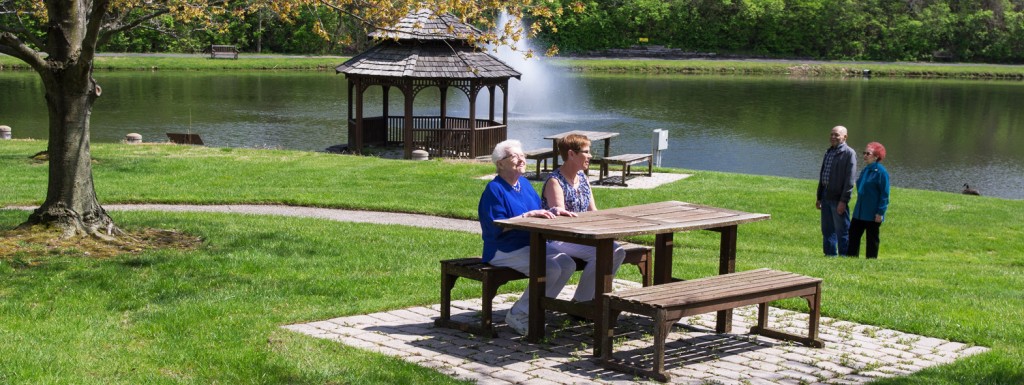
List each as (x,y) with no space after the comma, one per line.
(796,68)
(951,266)
(199,63)
(654,66)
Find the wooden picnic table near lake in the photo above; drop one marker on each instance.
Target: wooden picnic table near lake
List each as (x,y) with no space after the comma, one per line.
(601,228)
(594,137)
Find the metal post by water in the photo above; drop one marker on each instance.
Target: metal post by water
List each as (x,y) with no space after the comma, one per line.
(659,143)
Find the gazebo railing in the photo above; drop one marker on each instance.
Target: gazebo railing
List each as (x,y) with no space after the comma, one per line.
(453,139)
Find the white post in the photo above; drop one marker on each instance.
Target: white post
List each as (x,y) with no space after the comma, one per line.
(5,132)
(659,143)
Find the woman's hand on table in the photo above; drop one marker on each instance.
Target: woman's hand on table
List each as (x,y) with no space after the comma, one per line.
(548,214)
(560,212)
(540,213)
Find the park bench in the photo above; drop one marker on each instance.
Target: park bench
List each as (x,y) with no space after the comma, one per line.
(177,138)
(667,303)
(540,155)
(492,277)
(626,161)
(223,52)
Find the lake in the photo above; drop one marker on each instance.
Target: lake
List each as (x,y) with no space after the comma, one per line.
(939,134)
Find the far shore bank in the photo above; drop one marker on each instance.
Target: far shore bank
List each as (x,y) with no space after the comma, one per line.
(703,66)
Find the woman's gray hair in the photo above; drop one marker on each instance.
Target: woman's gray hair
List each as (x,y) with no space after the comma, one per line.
(502,149)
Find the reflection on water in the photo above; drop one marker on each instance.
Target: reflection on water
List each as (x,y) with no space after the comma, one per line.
(939,134)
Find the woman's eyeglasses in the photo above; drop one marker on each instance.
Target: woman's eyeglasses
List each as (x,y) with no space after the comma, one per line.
(514,155)
(866,153)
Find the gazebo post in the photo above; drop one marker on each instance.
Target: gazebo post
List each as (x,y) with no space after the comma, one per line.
(360,88)
(407,130)
(504,105)
(490,90)
(444,105)
(474,91)
(384,113)
(351,116)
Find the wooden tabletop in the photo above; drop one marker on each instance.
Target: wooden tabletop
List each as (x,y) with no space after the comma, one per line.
(592,135)
(652,218)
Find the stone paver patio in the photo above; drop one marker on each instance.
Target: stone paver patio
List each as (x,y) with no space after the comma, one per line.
(853,353)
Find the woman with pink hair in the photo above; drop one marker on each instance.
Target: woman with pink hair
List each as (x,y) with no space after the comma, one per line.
(872,201)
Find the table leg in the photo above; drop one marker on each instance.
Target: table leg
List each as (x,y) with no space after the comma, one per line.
(538,276)
(602,284)
(726,265)
(663,258)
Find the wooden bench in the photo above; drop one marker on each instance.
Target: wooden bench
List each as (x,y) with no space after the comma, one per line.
(185,138)
(668,303)
(492,277)
(626,161)
(223,51)
(540,155)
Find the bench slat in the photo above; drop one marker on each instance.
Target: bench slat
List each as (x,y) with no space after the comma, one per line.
(708,283)
(687,293)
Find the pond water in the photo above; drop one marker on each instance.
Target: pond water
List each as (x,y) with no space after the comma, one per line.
(939,134)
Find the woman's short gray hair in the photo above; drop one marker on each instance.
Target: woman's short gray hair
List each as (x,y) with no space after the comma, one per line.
(501,150)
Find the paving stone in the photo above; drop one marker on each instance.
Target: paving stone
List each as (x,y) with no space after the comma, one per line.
(834,367)
(512,376)
(760,381)
(762,366)
(798,375)
(552,375)
(973,350)
(801,367)
(541,381)
(696,354)
(730,381)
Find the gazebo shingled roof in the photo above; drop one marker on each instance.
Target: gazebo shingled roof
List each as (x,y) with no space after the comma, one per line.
(423,24)
(424,50)
(427,60)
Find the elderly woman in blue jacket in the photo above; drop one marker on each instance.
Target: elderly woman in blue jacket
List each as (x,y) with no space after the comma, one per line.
(872,201)
(510,195)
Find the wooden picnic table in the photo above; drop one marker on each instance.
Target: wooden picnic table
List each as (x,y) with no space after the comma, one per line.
(594,137)
(601,228)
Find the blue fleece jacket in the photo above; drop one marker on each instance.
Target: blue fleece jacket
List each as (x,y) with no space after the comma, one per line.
(872,192)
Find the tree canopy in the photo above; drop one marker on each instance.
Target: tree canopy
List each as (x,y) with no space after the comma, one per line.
(891,30)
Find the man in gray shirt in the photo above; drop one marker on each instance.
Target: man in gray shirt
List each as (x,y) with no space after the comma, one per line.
(835,187)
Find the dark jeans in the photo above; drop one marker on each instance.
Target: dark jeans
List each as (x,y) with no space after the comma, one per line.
(857,228)
(835,228)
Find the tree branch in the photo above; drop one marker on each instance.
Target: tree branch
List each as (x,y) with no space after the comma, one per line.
(11,45)
(116,28)
(99,11)
(20,30)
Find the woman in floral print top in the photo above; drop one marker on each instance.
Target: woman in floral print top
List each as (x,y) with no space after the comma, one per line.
(567,188)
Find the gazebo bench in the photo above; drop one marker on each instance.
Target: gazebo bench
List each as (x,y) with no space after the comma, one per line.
(492,277)
(540,155)
(667,303)
(626,161)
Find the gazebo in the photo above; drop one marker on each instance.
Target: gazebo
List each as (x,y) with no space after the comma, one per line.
(427,50)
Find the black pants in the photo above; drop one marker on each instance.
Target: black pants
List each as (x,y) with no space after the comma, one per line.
(857,228)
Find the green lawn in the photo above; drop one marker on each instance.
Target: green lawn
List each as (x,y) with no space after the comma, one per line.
(951,267)
(655,66)
(806,68)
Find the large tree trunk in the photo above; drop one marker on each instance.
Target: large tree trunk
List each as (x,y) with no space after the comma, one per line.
(71,202)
